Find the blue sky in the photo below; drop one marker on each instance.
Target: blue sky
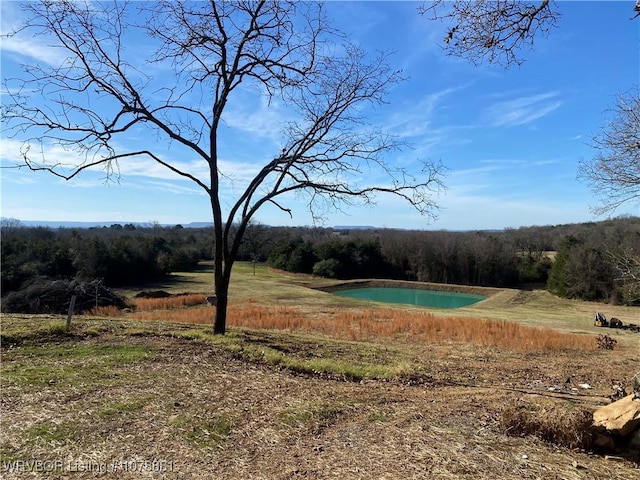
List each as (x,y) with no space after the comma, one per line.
(510,139)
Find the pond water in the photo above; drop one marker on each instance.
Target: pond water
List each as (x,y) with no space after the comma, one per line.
(423,298)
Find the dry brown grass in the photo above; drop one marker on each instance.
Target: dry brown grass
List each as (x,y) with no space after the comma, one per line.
(108,311)
(168,303)
(173,302)
(379,324)
(560,424)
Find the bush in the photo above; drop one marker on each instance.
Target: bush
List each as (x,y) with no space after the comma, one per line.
(184,259)
(295,256)
(605,342)
(329,268)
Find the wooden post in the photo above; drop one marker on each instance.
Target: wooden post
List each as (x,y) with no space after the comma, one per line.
(72,305)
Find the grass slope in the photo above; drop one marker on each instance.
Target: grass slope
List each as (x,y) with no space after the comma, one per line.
(125,398)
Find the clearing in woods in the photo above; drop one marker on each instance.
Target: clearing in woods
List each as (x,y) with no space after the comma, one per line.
(125,397)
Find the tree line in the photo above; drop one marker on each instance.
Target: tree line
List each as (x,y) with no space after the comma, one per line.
(119,255)
(595,261)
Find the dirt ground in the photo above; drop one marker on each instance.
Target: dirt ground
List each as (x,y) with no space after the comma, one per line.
(187,409)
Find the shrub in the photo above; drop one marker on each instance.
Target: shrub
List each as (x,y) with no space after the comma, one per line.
(328,268)
(605,342)
(107,311)
(168,302)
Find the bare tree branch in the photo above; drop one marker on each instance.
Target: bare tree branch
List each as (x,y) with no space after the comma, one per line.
(492,31)
(614,172)
(626,262)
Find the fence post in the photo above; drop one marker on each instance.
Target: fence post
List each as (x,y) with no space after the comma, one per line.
(72,305)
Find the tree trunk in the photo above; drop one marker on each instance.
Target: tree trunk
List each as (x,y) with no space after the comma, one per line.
(220,321)
(222,281)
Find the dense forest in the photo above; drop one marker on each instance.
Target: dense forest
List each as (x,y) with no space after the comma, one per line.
(588,261)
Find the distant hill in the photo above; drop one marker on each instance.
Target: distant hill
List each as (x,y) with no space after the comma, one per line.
(354,227)
(62,224)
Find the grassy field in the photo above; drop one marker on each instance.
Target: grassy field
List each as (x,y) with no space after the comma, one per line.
(311,385)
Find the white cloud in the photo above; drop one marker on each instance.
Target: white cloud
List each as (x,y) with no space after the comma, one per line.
(260,118)
(417,119)
(18,177)
(170,187)
(66,160)
(521,111)
(494,212)
(10,151)
(22,45)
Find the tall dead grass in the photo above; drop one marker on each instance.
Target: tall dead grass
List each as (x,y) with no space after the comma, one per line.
(108,311)
(168,303)
(173,302)
(370,325)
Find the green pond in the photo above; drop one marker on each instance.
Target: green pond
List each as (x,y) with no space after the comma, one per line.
(423,298)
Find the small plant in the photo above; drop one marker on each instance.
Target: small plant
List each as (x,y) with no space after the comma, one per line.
(307,414)
(52,433)
(605,342)
(379,417)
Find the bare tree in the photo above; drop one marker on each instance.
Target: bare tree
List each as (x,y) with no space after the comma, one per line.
(614,172)
(8,227)
(208,52)
(614,176)
(626,262)
(492,31)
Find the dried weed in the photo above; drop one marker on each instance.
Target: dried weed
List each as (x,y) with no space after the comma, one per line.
(372,325)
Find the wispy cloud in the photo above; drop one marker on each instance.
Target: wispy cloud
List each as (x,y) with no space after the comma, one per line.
(426,125)
(236,174)
(418,118)
(466,210)
(522,110)
(511,163)
(174,188)
(21,45)
(512,176)
(260,117)
(18,177)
